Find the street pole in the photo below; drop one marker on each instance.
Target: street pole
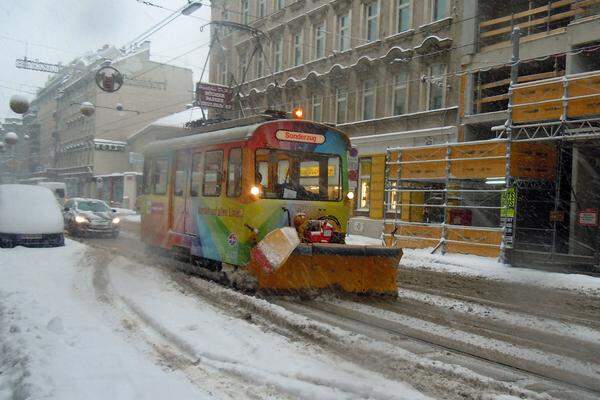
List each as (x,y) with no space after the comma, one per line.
(510,203)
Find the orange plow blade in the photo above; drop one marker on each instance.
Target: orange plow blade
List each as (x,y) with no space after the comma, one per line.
(349,268)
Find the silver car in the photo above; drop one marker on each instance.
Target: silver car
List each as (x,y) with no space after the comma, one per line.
(90,217)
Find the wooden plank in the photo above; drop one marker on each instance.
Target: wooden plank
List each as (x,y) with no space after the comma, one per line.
(491,99)
(377,184)
(473,240)
(533,160)
(537,10)
(524,78)
(589,105)
(529,24)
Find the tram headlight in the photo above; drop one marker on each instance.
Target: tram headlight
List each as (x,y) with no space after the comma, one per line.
(116,220)
(80,219)
(254,191)
(350,195)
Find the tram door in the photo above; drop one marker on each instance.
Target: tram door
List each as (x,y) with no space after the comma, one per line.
(178,211)
(195,181)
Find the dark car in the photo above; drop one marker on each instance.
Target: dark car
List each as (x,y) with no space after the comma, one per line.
(90,217)
(29,216)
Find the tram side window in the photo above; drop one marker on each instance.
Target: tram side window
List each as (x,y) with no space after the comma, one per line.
(159,176)
(213,167)
(234,173)
(196,174)
(181,166)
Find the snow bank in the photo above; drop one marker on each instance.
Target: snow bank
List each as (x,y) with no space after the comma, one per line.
(490,268)
(29,209)
(57,343)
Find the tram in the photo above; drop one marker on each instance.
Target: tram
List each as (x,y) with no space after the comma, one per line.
(215,196)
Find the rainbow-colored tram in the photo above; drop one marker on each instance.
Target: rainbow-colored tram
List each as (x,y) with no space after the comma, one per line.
(211,197)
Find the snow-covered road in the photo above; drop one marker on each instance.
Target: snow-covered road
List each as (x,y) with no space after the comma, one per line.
(76,323)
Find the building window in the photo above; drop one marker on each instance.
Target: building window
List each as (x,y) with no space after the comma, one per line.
(259,64)
(436,86)
(371,21)
(343,32)
(278,4)
(341,106)
(245,8)
(262,8)
(297,48)
(234,172)
(242,67)
(402,15)
(438,9)
(319,41)
(213,166)
(277,54)
(364,184)
(223,73)
(317,108)
(368,99)
(399,94)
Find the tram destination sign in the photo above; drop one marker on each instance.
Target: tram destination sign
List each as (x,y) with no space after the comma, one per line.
(214,96)
(300,137)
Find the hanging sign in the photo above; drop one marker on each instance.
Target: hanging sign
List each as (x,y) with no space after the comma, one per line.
(588,217)
(508,202)
(109,79)
(214,96)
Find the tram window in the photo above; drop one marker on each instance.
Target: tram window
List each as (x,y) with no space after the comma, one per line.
(181,166)
(159,176)
(262,172)
(234,172)
(300,176)
(213,167)
(196,174)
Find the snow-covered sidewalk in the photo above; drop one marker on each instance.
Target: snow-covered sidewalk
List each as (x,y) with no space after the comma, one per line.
(75,327)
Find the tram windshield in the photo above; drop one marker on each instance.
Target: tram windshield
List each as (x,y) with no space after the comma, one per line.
(297,175)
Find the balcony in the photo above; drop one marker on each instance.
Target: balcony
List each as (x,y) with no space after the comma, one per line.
(536,18)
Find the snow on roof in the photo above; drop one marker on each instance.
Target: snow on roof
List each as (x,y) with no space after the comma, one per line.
(106,141)
(178,120)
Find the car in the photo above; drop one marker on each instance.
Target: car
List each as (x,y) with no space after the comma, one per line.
(84,216)
(29,216)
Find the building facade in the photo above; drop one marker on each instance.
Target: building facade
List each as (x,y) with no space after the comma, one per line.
(380,70)
(88,152)
(422,89)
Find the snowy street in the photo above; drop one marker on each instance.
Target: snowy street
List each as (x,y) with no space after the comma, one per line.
(108,321)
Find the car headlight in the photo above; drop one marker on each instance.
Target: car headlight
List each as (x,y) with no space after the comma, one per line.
(80,219)
(116,220)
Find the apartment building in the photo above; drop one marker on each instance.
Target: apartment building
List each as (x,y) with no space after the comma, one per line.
(380,70)
(88,152)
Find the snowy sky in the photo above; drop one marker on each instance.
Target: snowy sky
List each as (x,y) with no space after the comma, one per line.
(60,30)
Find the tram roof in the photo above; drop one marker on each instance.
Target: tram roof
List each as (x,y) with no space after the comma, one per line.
(215,137)
(204,138)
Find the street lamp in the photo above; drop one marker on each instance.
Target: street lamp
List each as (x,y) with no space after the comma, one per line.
(191,7)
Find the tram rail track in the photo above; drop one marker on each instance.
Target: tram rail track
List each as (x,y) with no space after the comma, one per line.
(590,387)
(559,382)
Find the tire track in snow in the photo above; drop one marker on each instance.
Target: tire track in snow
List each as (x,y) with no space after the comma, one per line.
(169,351)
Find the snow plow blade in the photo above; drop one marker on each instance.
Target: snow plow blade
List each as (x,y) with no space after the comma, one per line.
(347,268)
